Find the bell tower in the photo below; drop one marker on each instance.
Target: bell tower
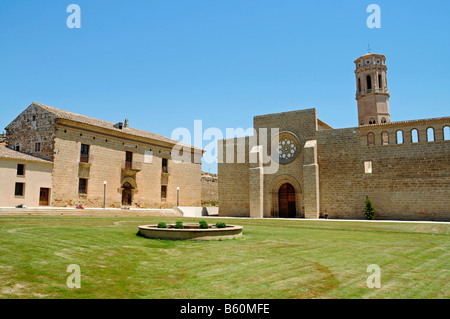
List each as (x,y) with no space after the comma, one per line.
(372,92)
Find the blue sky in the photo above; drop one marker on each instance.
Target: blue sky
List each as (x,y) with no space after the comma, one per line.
(164,64)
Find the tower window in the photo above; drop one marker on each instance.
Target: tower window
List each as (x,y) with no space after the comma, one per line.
(399,137)
(446,133)
(383,120)
(414,136)
(380,79)
(369,82)
(359,84)
(430,134)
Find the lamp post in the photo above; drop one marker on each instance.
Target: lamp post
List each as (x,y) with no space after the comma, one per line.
(104,195)
(178,196)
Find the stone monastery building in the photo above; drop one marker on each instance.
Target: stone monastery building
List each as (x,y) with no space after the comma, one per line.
(54,157)
(404,167)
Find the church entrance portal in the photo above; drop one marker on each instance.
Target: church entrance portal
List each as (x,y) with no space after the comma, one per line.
(286,198)
(126,194)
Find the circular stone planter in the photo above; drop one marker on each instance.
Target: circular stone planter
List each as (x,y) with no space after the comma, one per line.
(190,232)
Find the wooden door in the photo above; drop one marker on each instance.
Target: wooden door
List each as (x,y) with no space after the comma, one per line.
(286,199)
(126,194)
(43,196)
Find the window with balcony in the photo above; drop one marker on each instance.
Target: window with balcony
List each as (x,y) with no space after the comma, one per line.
(84,154)
(128,160)
(165,168)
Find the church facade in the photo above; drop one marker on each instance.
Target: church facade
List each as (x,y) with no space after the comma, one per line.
(404,167)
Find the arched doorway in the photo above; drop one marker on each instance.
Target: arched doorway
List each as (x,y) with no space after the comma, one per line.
(126,194)
(286,201)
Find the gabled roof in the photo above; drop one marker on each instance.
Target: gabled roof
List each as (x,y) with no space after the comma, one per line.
(7,153)
(66,115)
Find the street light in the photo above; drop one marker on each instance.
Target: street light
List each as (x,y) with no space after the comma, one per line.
(178,196)
(104,194)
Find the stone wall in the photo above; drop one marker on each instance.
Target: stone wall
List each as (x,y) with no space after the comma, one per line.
(33,125)
(107,163)
(234,181)
(210,191)
(408,181)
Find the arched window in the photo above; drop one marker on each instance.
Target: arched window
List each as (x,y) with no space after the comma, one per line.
(446,133)
(399,134)
(370,139)
(430,134)
(383,120)
(380,79)
(359,84)
(414,136)
(369,82)
(361,123)
(385,138)
(372,121)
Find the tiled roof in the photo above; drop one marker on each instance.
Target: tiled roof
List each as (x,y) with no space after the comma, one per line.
(8,153)
(66,115)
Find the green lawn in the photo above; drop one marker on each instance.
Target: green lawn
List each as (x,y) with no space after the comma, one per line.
(274,259)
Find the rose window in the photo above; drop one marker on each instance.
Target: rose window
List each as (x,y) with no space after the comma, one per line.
(287,149)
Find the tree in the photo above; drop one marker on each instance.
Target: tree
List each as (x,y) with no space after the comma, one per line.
(369,209)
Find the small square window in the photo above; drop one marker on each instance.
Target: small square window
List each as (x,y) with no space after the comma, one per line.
(20,169)
(368,167)
(20,189)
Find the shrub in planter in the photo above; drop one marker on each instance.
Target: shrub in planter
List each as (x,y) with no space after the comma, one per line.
(220,225)
(162,225)
(203,225)
(179,225)
(369,209)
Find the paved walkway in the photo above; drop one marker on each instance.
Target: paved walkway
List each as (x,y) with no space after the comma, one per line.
(88,212)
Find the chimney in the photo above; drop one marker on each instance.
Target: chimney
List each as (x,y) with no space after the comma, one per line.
(126,123)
